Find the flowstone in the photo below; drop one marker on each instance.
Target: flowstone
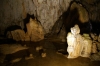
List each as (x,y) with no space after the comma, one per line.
(78,45)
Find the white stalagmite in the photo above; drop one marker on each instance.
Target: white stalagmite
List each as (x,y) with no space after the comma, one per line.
(78,45)
(75,41)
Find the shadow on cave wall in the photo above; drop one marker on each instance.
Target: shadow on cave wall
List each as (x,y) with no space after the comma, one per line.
(67,20)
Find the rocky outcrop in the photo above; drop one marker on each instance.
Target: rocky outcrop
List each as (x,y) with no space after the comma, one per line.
(34,30)
(46,11)
(18,35)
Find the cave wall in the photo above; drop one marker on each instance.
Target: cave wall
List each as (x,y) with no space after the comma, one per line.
(93,8)
(12,12)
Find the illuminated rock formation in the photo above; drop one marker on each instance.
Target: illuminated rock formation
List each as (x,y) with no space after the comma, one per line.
(35,30)
(78,45)
(75,41)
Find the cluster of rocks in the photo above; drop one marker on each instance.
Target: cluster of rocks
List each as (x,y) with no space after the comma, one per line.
(95,46)
(83,45)
(78,45)
(35,32)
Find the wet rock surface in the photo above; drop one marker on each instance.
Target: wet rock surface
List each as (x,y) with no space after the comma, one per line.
(52,57)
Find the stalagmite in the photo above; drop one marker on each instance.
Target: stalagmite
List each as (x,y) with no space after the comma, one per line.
(78,45)
(34,30)
(75,41)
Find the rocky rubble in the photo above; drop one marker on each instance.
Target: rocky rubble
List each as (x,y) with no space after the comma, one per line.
(95,47)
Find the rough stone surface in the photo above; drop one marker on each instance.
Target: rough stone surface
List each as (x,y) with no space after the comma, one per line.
(75,41)
(18,35)
(87,46)
(93,8)
(94,36)
(98,45)
(83,13)
(34,30)
(78,45)
(47,12)
(95,57)
(94,48)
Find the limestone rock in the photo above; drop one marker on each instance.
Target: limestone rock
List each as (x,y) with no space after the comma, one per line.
(87,46)
(94,48)
(78,45)
(35,30)
(94,36)
(27,37)
(99,38)
(18,35)
(98,46)
(95,57)
(75,41)
(83,14)
(46,11)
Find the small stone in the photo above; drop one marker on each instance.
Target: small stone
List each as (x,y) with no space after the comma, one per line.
(43,55)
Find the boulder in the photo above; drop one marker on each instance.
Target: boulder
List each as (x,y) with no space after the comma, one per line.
(18,35)
(35,30)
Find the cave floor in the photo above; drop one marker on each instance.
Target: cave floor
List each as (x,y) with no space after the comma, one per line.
(53,58)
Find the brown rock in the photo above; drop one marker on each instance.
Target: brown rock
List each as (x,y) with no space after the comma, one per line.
(98,46)
(83,14)
(94,36)
(18,35)
(94,48)
(87,46)
(35,30)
